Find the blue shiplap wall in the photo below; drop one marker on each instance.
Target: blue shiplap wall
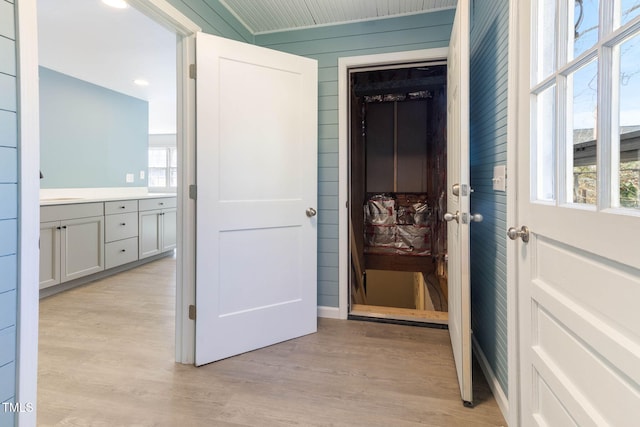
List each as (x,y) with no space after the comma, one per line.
(488,129)
(8,208)
(213,18)
(327,44)
(90,136)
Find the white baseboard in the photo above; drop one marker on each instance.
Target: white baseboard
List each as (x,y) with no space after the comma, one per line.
(328,312)
(496,389)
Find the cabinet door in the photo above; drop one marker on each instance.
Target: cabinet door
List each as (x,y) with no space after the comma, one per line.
(169,223)
(150,232)
(49,254)
(82,247)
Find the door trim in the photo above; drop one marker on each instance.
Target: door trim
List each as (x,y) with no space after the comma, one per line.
(28,290)
(344,63)
(511,410)
(29,189)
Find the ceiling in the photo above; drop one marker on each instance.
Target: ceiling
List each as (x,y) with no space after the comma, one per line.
(263,16)
(112,47)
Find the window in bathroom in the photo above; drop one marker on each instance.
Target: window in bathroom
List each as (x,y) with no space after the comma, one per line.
(162,163)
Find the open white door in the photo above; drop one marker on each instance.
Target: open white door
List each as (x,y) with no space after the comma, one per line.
(257,189)
(458,192)
(577,241)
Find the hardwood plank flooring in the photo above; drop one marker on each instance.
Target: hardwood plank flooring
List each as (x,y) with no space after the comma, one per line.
(107,359)
(412,315)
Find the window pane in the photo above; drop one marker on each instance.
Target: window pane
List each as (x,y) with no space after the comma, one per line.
(157,177)
(585,25)
(173,180)
(629,9)
(157,157)
(582,114)
(173,155)
(547,39)
(629,122)
(545,145)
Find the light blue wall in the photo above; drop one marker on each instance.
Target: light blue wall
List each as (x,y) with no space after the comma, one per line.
(213,18)
(488,113)
(8,208)
(327,44)
(90,136)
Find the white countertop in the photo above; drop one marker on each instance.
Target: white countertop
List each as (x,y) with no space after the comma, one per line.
(65,196)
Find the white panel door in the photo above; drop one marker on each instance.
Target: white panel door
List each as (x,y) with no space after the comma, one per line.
(579,271)
(458,201)
(256,275)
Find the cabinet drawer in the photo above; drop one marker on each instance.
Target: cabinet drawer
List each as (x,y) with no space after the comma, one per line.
(120,206)
(70,211)
(120,226)
(120,252)
(162,203)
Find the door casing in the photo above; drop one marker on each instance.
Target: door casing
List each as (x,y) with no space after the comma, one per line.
(344,64)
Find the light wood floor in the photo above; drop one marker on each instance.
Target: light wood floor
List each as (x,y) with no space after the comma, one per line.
(106,359)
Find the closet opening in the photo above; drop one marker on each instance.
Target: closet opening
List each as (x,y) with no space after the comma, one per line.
(397,193)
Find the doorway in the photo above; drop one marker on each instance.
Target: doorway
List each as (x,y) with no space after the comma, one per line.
(397,187)
(28,302)
(183,30)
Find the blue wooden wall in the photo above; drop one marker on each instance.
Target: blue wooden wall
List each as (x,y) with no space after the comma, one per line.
(8,208)
(488,129)
(327,44)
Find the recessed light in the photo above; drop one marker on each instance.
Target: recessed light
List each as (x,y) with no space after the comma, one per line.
(141,82)
(118,4)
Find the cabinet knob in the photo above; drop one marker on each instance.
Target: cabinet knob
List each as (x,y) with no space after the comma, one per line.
(122,207)
(64,226)
(123,223)
(161,203)
(58,228)
(123,250)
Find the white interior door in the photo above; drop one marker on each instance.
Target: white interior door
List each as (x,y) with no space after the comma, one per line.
(458,204)
(579,272)
(257,189)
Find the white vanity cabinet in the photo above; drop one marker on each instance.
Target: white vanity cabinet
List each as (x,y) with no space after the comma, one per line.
(49,253)
(157,226)
(80,239)
(71,242)
(120,232)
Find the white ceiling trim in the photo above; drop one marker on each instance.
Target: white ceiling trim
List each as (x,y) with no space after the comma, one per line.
(273,16)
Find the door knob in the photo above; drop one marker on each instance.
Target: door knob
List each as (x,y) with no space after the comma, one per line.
(523,233)
(450,217)
(311,212)
(476,217)
(457,189)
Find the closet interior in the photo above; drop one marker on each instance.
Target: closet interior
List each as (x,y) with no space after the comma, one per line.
(397,197)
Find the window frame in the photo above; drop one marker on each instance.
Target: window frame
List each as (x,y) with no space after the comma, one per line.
(607,53)
(168,142)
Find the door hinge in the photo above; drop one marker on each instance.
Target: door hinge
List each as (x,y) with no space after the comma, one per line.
(192,312)
(193,192)
(192,71)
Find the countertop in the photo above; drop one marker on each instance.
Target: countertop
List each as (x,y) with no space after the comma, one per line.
(67,200)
